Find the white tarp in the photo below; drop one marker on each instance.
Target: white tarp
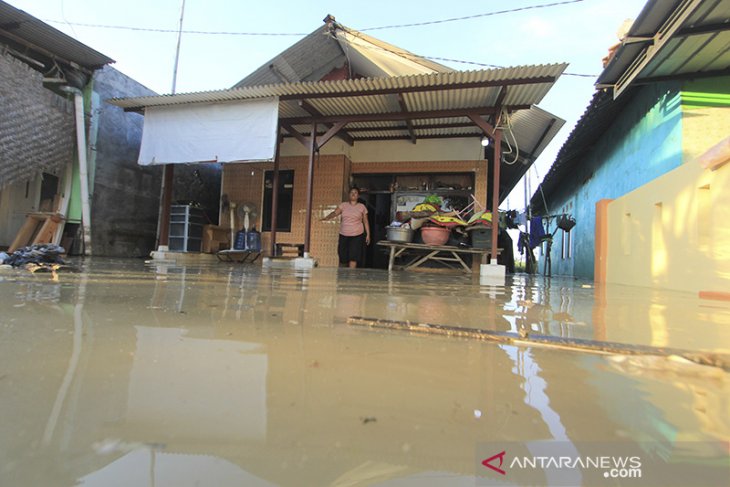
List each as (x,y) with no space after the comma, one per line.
(243,131)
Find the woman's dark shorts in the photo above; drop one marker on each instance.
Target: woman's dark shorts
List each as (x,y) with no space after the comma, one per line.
(352,248)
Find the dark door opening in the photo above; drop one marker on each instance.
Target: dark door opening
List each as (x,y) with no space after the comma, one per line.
(284,203)
(378,193)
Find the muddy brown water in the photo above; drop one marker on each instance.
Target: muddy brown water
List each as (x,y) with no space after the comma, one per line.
(126,373)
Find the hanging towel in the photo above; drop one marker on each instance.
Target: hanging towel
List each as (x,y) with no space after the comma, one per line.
(537,232)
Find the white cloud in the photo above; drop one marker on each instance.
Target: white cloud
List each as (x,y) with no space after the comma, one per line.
(539,27)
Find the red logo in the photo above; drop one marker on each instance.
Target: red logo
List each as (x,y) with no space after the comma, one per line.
(487,463)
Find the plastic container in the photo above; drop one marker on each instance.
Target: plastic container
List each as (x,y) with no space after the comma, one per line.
(435,235)
(253,241)
(481,238)
(241,241)
(399,234)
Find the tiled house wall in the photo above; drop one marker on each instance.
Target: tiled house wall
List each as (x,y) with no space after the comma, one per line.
(244,182)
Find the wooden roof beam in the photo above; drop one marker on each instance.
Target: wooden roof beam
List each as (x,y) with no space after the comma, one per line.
(409,123)
(399,116)
(306,106)
(408,137)
(486,127)
(333,130)
(305,141)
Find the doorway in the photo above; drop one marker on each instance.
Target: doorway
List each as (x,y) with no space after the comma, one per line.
(378,193)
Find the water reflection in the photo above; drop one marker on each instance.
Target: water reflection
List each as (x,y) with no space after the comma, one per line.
(234,375)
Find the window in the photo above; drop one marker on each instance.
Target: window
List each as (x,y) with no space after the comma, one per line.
(49,188)
(566,250)
(284,204)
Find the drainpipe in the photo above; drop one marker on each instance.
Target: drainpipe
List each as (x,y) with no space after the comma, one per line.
(65,200)
(83,169)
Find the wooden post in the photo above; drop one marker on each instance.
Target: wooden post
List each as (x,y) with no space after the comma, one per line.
(495,194)
(275,198)
(310,184)
(168,173)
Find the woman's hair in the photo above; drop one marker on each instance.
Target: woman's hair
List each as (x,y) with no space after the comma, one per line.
(355,188)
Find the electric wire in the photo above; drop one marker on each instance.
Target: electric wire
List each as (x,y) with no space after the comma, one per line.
(430,22)
(539,186)
(469,17)
(508,127)
(70,26)
(371,46)
(300,34)
(434,58)
(175,31)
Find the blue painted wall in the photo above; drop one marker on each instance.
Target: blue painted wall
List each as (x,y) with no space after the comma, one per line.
(644,142)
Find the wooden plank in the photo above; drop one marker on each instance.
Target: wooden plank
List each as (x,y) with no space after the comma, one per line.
(432,252)
(38,228)
(524,338)
(47,231)
(24,235)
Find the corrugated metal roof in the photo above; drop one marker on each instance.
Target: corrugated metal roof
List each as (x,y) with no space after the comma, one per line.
(698,46)
(308,59)
(596,119)
(680,38)
(534,129)
(318,53)
(355,104)
(22,25)
(518,94)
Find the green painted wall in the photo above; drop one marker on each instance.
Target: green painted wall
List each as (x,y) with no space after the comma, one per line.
(708,92)
(74,208)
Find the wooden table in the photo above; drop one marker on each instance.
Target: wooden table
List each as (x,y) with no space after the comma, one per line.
(445,254)
(240,256)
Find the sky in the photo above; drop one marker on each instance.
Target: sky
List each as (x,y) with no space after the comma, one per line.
(578,32)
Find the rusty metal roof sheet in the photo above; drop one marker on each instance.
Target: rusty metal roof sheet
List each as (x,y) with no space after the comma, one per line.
(16,24)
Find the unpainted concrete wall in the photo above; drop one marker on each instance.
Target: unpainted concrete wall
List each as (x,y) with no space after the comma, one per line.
(126,195)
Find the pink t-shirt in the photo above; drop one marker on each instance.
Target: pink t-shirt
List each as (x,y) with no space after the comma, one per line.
(352,216)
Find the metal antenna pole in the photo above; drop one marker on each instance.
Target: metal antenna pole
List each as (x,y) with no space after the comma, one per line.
(177,51)
(163,216)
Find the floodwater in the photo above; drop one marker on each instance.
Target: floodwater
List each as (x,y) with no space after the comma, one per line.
(132,374)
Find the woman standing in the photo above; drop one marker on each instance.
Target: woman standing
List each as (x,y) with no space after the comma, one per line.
(354,230)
